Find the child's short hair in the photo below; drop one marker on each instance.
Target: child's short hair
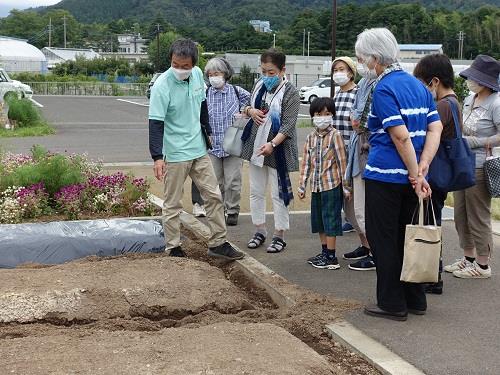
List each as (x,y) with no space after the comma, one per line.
(319,104)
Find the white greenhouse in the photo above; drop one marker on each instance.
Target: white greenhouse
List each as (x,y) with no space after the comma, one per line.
(16,55)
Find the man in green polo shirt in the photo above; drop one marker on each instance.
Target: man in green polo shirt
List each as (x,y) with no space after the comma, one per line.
(179,149)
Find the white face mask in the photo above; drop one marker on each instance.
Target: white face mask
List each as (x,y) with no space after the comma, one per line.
(217,81)
(322,122)
(341,78)
(474,86)
(181,74)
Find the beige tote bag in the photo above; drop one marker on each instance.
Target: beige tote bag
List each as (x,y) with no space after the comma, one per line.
(422,250)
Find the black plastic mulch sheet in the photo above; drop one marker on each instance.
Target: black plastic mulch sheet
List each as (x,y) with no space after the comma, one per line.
(63,241)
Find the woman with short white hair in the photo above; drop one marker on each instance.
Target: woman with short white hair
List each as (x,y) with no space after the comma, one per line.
(224,100)
(405,132)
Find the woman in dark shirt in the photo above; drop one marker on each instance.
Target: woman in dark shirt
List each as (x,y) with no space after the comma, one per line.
(436,72)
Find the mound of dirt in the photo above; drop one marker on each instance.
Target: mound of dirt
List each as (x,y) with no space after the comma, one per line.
(218,349)
(156,288)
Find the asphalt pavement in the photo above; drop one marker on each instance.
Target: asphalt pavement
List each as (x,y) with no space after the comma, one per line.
(113,129)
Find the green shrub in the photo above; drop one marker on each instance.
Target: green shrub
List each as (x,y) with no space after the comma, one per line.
(54,171)
(23,112)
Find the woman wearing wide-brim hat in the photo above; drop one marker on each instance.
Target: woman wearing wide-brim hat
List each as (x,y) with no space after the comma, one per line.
(481,128)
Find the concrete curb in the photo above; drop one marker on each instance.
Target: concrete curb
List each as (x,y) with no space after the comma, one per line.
(383,359)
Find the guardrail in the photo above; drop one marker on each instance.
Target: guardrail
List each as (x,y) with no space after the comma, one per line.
(88,88)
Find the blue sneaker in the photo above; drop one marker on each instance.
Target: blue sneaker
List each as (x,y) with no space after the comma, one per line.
(326,263)
(347,227)
(365,264)
(316,257)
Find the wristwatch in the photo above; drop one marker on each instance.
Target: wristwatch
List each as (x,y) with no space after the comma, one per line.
(273,144)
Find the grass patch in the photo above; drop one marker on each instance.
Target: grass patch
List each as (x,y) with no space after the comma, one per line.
(32,131)
(495,206)
(304,123)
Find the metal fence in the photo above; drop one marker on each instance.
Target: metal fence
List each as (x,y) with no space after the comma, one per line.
(88,88)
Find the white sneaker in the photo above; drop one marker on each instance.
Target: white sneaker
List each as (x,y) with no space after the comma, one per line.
(473,272)
(459,264)
(199,211)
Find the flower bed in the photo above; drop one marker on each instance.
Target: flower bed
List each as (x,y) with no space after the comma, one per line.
(45,185)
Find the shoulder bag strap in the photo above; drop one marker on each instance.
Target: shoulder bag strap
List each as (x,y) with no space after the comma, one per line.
(456,119)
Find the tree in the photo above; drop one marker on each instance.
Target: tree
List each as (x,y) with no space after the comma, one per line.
(166,40)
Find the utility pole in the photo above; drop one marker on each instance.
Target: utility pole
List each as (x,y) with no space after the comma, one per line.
(135,42)
(274,40)
(334,45)
(304,43)
(308,45)
(50,32)
(157,47)
(64,19)
(461,37)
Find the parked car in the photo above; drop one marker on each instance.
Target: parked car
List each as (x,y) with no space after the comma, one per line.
(10,86)
(151,83)
(317,89)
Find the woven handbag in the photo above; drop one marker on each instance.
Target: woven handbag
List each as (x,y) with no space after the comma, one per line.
(492,173)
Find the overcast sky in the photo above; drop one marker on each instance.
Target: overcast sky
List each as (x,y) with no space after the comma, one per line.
(7,5)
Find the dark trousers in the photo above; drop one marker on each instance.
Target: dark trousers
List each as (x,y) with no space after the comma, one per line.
(195,195)
(438,198)
(389,208)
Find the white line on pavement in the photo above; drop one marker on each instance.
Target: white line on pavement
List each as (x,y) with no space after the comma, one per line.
(36,103)
(132,102)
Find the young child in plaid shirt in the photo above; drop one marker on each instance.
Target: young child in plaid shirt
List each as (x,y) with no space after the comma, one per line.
(324,160)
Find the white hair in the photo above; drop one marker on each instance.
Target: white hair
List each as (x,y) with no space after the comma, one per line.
(378,43)
(218,64)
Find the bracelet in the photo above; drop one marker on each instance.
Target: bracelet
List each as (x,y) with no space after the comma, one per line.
(247,110)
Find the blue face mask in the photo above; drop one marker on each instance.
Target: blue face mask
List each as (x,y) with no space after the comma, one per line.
(270,82)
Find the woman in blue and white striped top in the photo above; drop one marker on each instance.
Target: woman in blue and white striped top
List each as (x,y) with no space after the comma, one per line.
(405,131)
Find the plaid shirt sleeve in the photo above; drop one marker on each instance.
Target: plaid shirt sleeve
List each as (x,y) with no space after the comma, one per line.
(305,166)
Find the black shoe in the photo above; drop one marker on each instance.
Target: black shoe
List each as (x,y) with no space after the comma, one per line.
(374,310)
(416,311)
(365,264)
(225,251)
(434,288)
(177,252)
(232,220)
(359,253)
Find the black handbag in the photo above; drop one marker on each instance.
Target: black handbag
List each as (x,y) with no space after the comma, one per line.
(453,167)
(492,173)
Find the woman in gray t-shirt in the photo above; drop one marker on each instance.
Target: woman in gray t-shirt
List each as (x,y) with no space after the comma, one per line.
(481,128)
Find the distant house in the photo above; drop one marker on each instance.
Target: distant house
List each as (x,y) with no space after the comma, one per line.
(131,43)
(59,55)
(416,51)
(261,26)
(16,55)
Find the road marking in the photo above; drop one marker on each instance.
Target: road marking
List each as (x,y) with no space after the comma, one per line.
(132,102)
(129,164)
(101,123)
(36,103)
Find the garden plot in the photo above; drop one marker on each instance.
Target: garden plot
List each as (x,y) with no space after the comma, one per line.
(152,314)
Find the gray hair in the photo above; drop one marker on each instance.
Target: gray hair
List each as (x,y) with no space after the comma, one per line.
(378,43)
(218,64)
(184,48)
